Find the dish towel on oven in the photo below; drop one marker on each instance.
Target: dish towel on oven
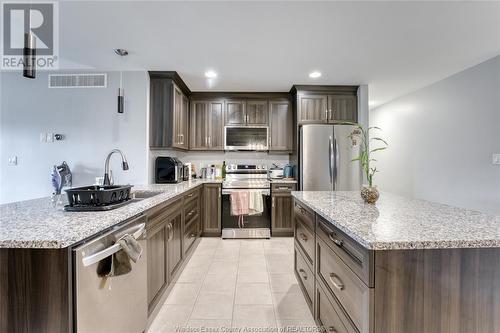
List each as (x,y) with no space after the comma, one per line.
(239,205)
(255,203)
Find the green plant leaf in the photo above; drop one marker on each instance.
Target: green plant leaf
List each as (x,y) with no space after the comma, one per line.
(378,149)
(374,127)
(380,139)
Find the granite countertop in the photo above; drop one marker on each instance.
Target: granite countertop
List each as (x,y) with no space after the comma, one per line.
(396,222)
(37,224)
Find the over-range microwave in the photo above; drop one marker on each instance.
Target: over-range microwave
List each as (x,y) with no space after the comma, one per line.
(246,138)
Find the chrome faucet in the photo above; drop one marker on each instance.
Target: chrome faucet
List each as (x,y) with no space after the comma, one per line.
(107,179)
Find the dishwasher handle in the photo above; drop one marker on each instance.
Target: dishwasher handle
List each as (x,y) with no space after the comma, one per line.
(96,257)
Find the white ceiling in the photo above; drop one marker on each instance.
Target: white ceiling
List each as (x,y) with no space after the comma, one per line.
(395,47)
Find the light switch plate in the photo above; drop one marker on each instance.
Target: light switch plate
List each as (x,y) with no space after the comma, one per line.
(13,160)
(496,159)
(43,137)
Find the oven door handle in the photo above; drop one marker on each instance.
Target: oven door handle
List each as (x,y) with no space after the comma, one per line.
(265,191)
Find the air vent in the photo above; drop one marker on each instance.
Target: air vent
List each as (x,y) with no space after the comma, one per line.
(78,80)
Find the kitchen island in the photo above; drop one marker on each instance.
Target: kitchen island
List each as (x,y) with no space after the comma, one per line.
(401,265)
(38,242)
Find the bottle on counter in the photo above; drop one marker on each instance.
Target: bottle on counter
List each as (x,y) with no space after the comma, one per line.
(224,170)
(218,172)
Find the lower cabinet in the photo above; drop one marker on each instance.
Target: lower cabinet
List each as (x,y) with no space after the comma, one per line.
(212,210)
(282,209)
(174,243)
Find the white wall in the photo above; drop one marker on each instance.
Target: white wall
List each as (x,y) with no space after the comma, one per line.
(90,122)
(441,140)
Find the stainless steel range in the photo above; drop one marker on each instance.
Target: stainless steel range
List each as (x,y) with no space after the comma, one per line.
(251,179)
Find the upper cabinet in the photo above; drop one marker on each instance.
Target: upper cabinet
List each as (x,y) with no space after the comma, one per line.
(280,125)
(207,125)
(246,112)
(326,104)
(169,114)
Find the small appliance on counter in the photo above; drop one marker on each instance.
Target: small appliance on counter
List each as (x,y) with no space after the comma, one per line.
(288,171)
(275,172)
(168,170)
(186,171)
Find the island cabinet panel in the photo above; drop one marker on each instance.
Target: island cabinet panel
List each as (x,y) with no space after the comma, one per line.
(212,210)
(329,313)
(35,290)
(444,290)
(305,276)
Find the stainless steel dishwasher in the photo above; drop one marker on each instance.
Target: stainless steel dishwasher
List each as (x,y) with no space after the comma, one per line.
(111,304)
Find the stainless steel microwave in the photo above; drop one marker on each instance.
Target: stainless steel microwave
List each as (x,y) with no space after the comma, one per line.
(246,138)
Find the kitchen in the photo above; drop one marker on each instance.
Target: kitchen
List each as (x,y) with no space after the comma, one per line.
(192,140)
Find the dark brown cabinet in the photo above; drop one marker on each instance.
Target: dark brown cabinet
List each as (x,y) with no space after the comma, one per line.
(280,126)
(212,210)
(169,110)
(282,209)
(207,125)
(157,236)
(326,104)
(246,112)
(174,242)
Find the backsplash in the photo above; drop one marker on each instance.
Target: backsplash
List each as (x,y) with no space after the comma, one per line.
(200,159)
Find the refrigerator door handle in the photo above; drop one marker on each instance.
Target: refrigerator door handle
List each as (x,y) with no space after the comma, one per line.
(337,162)
(330,159)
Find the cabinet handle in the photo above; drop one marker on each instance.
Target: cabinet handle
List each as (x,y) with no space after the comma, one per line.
(331,114)
(340,244)
(170,233)
(191,212)
(332,329)
(273,201)
(283,188)
(190,195)
(303,237)
(326,114)
(209,140)
(336,281)
(192,236)
(304,275)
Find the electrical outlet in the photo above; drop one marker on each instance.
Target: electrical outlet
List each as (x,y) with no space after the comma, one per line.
(496,159)
(50,137)
(43,137)
(13,160)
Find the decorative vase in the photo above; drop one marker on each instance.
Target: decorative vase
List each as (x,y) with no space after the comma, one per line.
(370,194)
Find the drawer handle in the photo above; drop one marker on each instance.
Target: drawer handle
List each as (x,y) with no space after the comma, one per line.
(192,236)
(191,212)
(304,275)
(283,188)
(303,237)
(340,244)
(337,282)
(332,329)
(190,195)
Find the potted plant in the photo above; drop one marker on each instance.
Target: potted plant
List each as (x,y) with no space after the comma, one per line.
(369,193)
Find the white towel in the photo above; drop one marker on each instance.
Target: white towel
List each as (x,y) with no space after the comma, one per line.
(255,203)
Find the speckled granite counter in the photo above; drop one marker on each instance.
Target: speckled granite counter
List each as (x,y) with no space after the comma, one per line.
(36,224)
(395,222)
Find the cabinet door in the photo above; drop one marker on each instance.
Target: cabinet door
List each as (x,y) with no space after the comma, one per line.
(212,209)
(200,128)
(256,113)
(312,109)
(343,108)
(177,118)
(216,123)
(184,120)
(235,113)
(174,244)
(282,214)
(158,122)
(281,125)
(156,255)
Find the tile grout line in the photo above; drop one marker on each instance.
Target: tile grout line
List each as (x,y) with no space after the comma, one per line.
(270,290)
(236,283)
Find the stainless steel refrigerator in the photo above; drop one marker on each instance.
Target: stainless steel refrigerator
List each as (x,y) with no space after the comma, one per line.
(326,154)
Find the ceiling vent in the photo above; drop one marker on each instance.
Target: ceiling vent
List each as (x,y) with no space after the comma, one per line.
(78,80)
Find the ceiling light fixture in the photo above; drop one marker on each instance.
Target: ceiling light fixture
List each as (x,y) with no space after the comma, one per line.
(210,74)
(314,75)
(121,93)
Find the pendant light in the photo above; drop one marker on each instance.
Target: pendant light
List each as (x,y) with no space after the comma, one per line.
(122,53)
(29,51)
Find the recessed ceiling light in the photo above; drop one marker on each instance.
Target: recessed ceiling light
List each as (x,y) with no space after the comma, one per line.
(210,74)
(314,75)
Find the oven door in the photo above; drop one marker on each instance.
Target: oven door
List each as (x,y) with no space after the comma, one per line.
(249,221)
(246,138)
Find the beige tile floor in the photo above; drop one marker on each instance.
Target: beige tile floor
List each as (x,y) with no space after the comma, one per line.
(233,285)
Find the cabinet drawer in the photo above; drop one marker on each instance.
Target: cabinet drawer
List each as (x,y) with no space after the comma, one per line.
(304,276)
(282,187)
(304,214)
(193,195)
(191,210)
(305,238)
(354,296)
(190,234)
(354,255)
(329,314)
(159,213)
